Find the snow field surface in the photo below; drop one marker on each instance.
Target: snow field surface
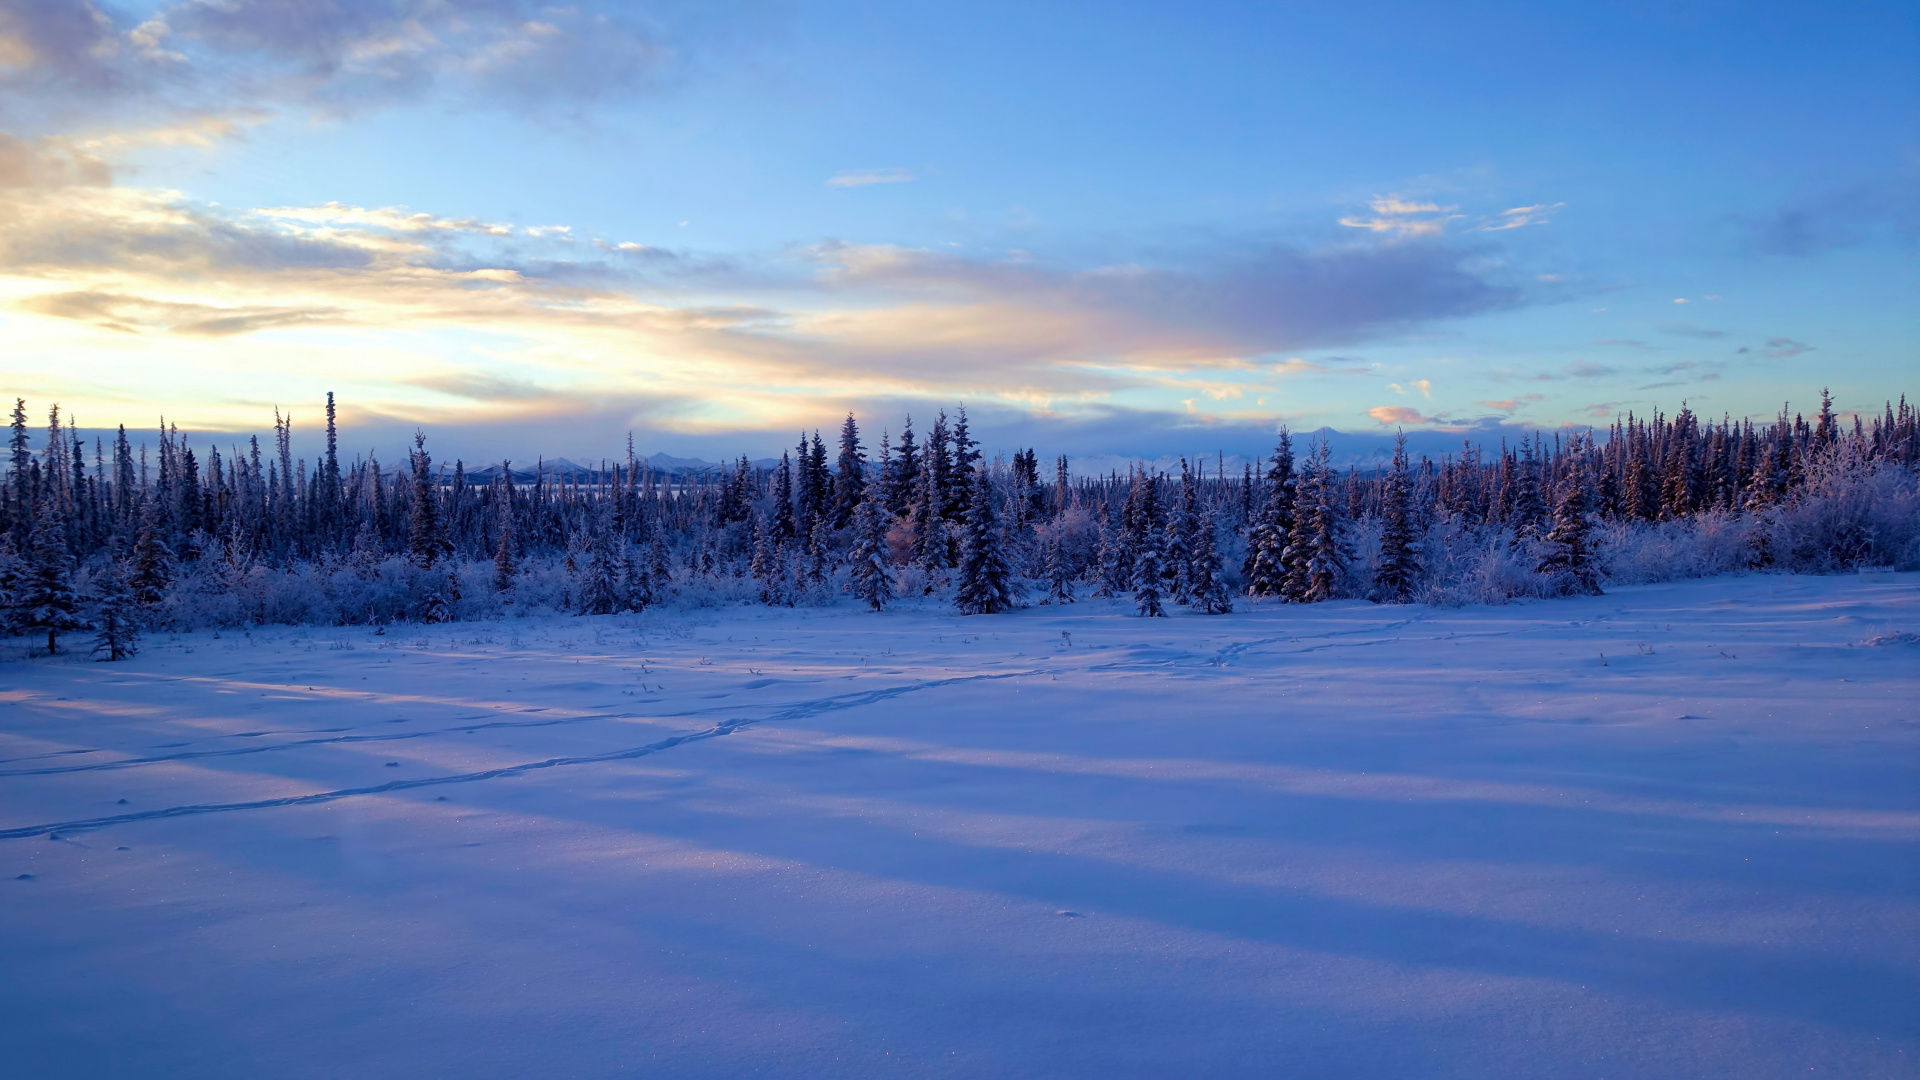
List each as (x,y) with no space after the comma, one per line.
(1670,831)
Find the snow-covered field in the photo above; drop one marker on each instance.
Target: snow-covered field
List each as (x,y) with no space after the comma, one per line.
(1672,831)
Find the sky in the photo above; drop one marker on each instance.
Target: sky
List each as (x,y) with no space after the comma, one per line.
(1105,228)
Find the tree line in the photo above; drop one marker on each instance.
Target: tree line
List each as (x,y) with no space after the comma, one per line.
(167,533)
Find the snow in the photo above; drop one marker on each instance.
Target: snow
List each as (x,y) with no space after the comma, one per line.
(1670,831)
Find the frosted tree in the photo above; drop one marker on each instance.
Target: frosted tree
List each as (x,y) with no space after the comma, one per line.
(1148,578)
(1398,567)
(1265,569)
(820,553)
(49,603)
(153,567)
(769,566)
(850,480)
(1210,595)
(116,630)
(1320,533)
(12,585)
(598,592)
(636,581)
(1059,572)
(1567,554)
(984,575)
(1147,532)
(426,538)
(504,571)
(871,576)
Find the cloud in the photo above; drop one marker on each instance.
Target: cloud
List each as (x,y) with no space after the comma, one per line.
(339,57)
(1390,415)
(394,292)
(1512,404)
(45,163)
(133,314)
(868,177)
(1686,329)
(1398,217)
(1586,369)
(393,219)
(1520,217)
(1837,218)
(1231,304)
(1779,348)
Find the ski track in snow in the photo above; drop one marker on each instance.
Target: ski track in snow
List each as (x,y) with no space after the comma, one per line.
(795,711)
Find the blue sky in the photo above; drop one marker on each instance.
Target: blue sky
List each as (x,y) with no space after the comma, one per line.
(1107,228)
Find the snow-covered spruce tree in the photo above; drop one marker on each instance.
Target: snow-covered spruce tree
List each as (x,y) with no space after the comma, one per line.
(1149,562)
(49,603)
(1177,552)
(426,539)
(659,564)
(1210,595)
(984,588)
(1399,565)
(153,567)
(1327,552)
(598,591)
(1148,579)
(1108,579)
(850,479)
(765,566)
(1059,573)
(1297,557)
(116,635)
(1566,553)
(820,553)
(1265,569)
(504,571)
(871,574)
(636,580)
(12,585)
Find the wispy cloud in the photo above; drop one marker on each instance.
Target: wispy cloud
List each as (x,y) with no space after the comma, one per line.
(1399,217)
(1402,415)
(1779,348)
(869,177)
(1687,329)
(1520,217)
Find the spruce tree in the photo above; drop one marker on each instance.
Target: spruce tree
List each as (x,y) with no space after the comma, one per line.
(426,538)
(1567,554)
(1399,561)
(152,561)
(13,579)
(783,528)
(114,618)
(1148,577)
(1322,539)
(766,565)
(905,473)
(1265,569)
(636,581)
(598,592)
(850,483)
(820,553)
(49,602)
(1059,573)
(1210,595)
(504,571)
(984,588)
(871,573)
